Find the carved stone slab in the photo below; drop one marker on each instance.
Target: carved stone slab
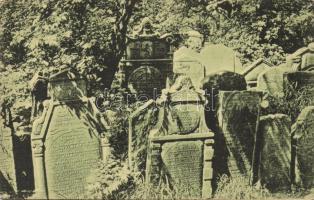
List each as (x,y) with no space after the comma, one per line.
(141,122)
(275,162)
(185,161)
(71,152)
(303,136)
(66,147)
(238,115)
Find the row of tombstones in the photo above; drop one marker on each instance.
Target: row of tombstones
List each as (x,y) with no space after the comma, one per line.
(184,145)
(233,137)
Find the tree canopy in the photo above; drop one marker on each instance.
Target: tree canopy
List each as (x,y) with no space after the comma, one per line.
(90,34)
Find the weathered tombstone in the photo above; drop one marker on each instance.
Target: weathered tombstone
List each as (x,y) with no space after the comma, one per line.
(145,47)
(271,80)
(275,158)
(212,84)
(146,81)
(303,138)
(302,59)
(65,144)
(252,71)
(238,116)
(219,57)
(7,163)
(181,145)
(300,83)
(187,62)
(141,121)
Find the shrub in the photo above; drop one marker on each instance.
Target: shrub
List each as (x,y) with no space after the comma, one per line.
(238,187)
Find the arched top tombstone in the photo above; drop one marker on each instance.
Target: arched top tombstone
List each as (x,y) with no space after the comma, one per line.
(67,85)
(219,57)
(145,81)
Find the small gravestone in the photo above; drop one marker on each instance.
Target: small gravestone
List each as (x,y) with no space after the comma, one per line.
(65,144)
(238,116)
(302,59)
(303,136)
(146,81)
(141,121)
(275,162)
(271,80)
(180,145)
(252,71)
(7,163)
(219,57)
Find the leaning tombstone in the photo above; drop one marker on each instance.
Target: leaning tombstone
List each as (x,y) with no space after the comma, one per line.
(181,146)
(141,121)
(271,80)
(302,59)
(252,71)
(65,141)
(275,152)
(303,139)
(238,116)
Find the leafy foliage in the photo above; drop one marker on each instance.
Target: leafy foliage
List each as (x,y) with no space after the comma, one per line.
(258,28)
(35,35)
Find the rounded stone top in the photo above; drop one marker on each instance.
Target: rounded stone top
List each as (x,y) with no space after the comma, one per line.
(193,33)
(311,46)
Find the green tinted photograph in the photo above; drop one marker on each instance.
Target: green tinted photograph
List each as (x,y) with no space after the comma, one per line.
(157,99)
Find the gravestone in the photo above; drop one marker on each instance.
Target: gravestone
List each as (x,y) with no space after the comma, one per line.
(61,85)
(275,162)
(184,163)
(65,143)
(7,163)
(238,116)
(300,83)
(252,71)
(180,145)
(187,62)
(146,81)
(146,47)
(141,121)
(302,59)
(303,138)
(219,57)
(271,80)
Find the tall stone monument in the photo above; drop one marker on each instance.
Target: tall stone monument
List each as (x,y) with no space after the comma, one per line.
(65,142)
(181,146)
(147,62)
